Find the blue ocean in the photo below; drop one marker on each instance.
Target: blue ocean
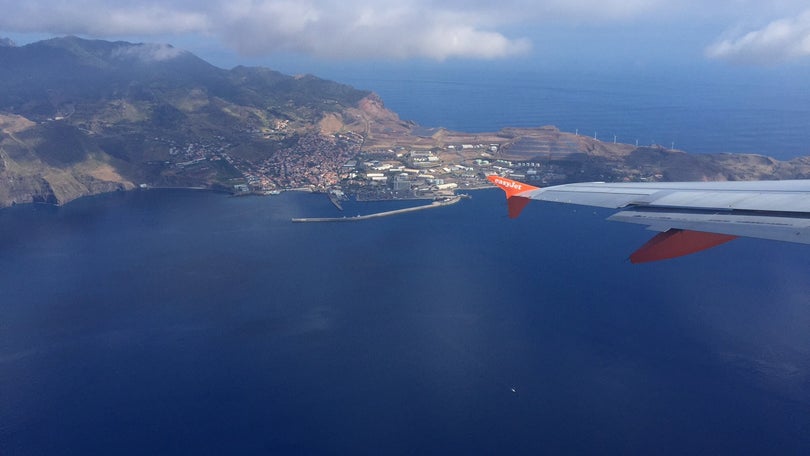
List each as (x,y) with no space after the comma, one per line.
(698,110)
(192,322)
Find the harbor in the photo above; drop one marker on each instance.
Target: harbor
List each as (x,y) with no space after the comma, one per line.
(435,204)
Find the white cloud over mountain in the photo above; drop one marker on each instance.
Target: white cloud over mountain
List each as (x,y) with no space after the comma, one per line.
(149,52)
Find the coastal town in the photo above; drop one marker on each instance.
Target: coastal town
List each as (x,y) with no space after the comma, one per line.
(341,164)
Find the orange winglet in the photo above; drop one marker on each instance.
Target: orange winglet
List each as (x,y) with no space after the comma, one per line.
(512,188)
(515,205)
(675,243)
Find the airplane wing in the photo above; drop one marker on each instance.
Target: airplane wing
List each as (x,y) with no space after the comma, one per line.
(689,216)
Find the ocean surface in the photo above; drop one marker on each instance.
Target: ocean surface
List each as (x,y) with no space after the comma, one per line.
(698,110)
(187,322)
(191,322)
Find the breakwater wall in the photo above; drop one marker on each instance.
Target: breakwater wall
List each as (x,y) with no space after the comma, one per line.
(357,218)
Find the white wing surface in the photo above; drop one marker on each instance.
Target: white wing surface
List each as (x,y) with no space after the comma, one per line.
(691,216)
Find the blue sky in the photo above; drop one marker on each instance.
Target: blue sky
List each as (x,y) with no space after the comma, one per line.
(308,35)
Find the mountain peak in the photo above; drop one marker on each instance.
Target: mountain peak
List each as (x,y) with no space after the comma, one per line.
(115,50)
(6,42)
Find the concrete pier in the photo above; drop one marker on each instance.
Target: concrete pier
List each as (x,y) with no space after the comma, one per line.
(435,204)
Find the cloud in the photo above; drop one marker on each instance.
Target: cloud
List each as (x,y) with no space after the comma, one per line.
(405,29)
(324,28)
(99,18)
(779,41)
(149,52)
(396,32)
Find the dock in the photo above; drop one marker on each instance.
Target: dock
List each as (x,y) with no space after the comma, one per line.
(335,199)
(433,205)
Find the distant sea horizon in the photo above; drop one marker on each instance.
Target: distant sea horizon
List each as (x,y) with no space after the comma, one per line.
(710,112)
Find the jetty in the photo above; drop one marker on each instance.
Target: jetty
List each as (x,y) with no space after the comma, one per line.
(433,205)
(335,199)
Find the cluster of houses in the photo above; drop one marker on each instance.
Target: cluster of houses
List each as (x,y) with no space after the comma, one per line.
(415,173)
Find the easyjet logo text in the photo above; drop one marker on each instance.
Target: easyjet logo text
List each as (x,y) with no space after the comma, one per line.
(509,184)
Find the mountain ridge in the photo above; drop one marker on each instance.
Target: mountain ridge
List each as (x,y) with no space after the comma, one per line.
(70,101)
